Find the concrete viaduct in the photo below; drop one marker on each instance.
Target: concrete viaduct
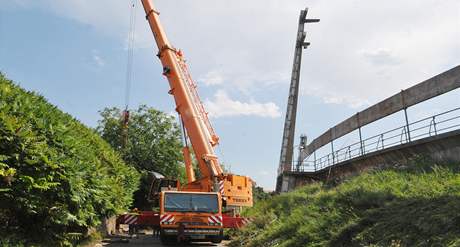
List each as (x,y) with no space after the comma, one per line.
(437,136)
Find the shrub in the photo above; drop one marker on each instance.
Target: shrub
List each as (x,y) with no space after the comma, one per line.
(58,178)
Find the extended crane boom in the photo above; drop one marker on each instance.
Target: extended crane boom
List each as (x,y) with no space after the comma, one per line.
(235,189)
(202,208)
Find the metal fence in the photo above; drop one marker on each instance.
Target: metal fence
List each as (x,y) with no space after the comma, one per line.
(426,127)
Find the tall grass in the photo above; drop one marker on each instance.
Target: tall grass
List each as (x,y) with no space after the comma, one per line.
(418,205)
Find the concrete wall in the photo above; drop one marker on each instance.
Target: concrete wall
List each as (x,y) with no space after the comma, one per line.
(444,147)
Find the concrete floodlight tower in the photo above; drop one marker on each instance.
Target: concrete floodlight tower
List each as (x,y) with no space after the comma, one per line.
(287,143)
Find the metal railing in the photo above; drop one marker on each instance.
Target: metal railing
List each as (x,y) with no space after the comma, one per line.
(426,127)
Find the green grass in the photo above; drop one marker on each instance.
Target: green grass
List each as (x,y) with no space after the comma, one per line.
(418,205)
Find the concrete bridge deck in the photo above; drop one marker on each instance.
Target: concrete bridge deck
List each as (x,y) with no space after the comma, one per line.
(437,136)
(443,147)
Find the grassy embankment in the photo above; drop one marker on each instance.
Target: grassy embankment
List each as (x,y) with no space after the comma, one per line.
(414,205)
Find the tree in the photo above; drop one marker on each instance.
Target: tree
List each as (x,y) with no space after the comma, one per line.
(153,144)
(259,194)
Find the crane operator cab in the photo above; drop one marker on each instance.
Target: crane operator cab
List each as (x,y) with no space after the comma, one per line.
(159,183)
(190,216)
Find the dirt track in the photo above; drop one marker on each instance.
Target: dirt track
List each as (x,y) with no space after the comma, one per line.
(148,240)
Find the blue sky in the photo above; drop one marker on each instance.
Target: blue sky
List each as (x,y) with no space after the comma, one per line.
(240,53)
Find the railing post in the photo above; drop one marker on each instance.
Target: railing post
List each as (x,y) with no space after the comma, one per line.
(405,114)
(383,147)
(404,132)
(434,125)
(332,147)
(361,141)
(314,158)
(407,124)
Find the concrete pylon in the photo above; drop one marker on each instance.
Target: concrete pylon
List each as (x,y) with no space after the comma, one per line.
(287,143)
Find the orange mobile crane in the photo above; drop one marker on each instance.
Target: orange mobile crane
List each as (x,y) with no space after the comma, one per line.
(198,209)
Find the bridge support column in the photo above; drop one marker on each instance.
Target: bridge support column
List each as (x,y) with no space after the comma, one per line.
(288,182)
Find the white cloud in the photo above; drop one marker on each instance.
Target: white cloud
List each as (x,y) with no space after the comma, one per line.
(223,106)
(332,97)
(381,57)
(354,103)
(396,47)
(212,78)
(251,43)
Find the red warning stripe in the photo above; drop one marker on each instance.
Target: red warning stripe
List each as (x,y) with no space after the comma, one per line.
(167,218)
(130,219)
(221,187)
(215,219)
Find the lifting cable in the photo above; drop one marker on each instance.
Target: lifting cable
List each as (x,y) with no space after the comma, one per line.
(129,73)
(129,65)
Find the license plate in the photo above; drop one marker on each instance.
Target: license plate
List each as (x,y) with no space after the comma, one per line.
(197,236)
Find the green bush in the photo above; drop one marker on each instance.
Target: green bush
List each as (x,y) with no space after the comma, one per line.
(416,206)
(58,178)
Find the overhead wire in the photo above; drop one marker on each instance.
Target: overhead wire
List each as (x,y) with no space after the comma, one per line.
(129,74)
(129,64)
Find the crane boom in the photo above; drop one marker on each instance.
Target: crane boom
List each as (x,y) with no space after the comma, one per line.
(237,190)
(188,103)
